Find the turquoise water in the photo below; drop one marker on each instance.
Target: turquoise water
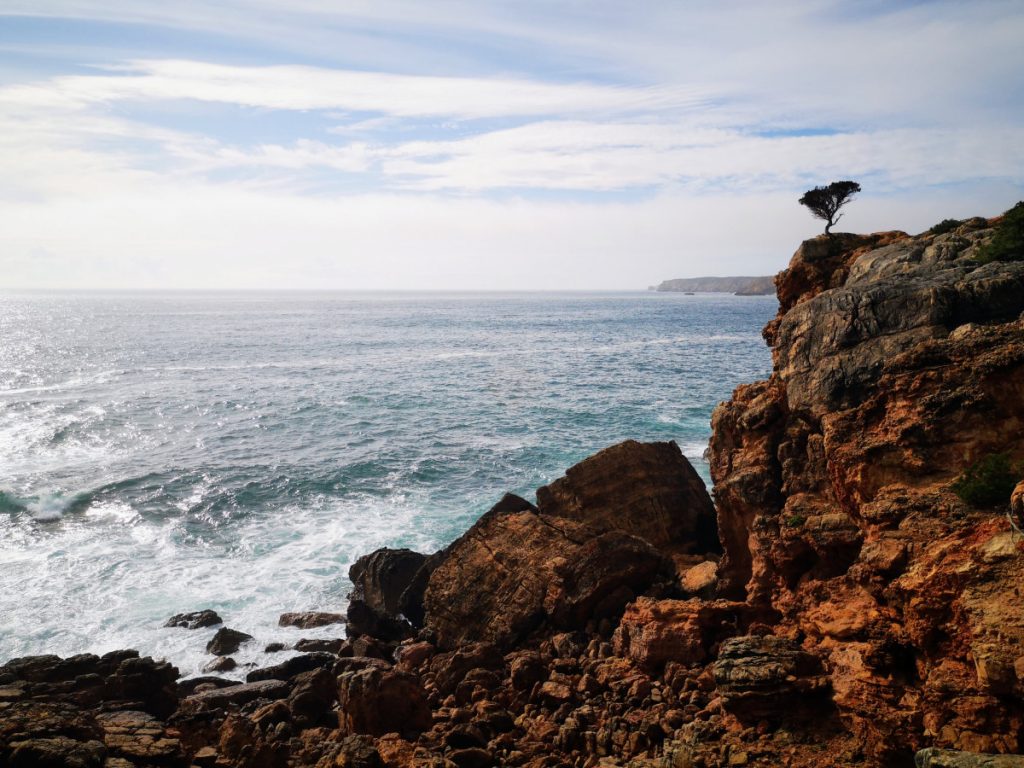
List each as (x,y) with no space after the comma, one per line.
(169,452)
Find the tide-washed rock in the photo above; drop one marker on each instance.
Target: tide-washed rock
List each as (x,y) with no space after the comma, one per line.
(375,701)
(221,664)
(769,678)
(194,620)
(364,620)
(310,619)
(514,570)
(649,490)
(226,641)
(382,576)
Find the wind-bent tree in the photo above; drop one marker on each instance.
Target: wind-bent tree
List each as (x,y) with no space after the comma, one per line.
(825,202)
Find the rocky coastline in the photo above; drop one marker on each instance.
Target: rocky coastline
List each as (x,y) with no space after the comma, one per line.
(836,603)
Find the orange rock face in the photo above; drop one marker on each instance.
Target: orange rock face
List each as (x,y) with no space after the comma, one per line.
(898,362)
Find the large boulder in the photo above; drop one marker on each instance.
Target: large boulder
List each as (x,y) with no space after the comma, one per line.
(516,568)
(647,489)
(376,701)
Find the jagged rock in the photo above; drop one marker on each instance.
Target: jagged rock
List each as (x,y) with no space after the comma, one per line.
(310,619)
(450,668)
(118,677)
(194,620)
(647,489)
(364,620)
(655,632)
(382,576)
(948,758)
(289,668)
(227,641)
(769,678)
(374,701)
(312,695)
(516,568)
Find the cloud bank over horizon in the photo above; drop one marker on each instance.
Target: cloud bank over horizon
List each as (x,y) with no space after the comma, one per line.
(481,145)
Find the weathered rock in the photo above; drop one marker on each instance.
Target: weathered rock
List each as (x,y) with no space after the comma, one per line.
(654,632)
(120,679)
(374,701)
(450,668)
(137,736)
(311,698)
(382,576)
(289,668)
(310,619)
(364,620)
(221,664)
(516,569)
(237,695)
(649,490)
(227,641)
(196,684)
(769,678)
(194,620)
(56,752)
(948,758)
(319,645)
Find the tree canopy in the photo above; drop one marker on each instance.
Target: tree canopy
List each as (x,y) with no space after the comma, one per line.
(825,202)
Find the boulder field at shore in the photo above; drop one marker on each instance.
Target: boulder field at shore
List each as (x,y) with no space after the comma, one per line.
(836,605)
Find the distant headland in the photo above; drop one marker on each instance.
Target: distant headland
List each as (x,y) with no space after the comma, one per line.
(741,286)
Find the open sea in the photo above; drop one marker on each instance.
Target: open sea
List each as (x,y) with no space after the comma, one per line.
(167,452)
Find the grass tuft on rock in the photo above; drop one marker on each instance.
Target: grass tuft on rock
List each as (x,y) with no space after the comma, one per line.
(988,482)
(1007,244)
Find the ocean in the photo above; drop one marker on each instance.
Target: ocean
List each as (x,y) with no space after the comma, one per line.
(167,452)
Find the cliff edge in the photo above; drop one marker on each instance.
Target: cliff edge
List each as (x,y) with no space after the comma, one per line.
(838,604)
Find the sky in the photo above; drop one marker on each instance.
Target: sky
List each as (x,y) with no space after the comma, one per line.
(486,144)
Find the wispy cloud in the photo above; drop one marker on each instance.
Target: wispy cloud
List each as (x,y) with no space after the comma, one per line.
(552,128)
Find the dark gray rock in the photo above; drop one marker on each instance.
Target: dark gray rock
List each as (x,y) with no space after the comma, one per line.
(226,641)
(289,668)
(194,620)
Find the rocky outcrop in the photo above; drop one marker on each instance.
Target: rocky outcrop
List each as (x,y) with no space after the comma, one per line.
(899,361)
(649,490)
(516,569)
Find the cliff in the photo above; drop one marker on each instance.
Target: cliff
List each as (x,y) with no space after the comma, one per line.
(837,604)
(741,286)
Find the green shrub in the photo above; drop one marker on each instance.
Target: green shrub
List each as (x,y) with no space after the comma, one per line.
(989,482)
(795,521)
(944,226)
(1007,244)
